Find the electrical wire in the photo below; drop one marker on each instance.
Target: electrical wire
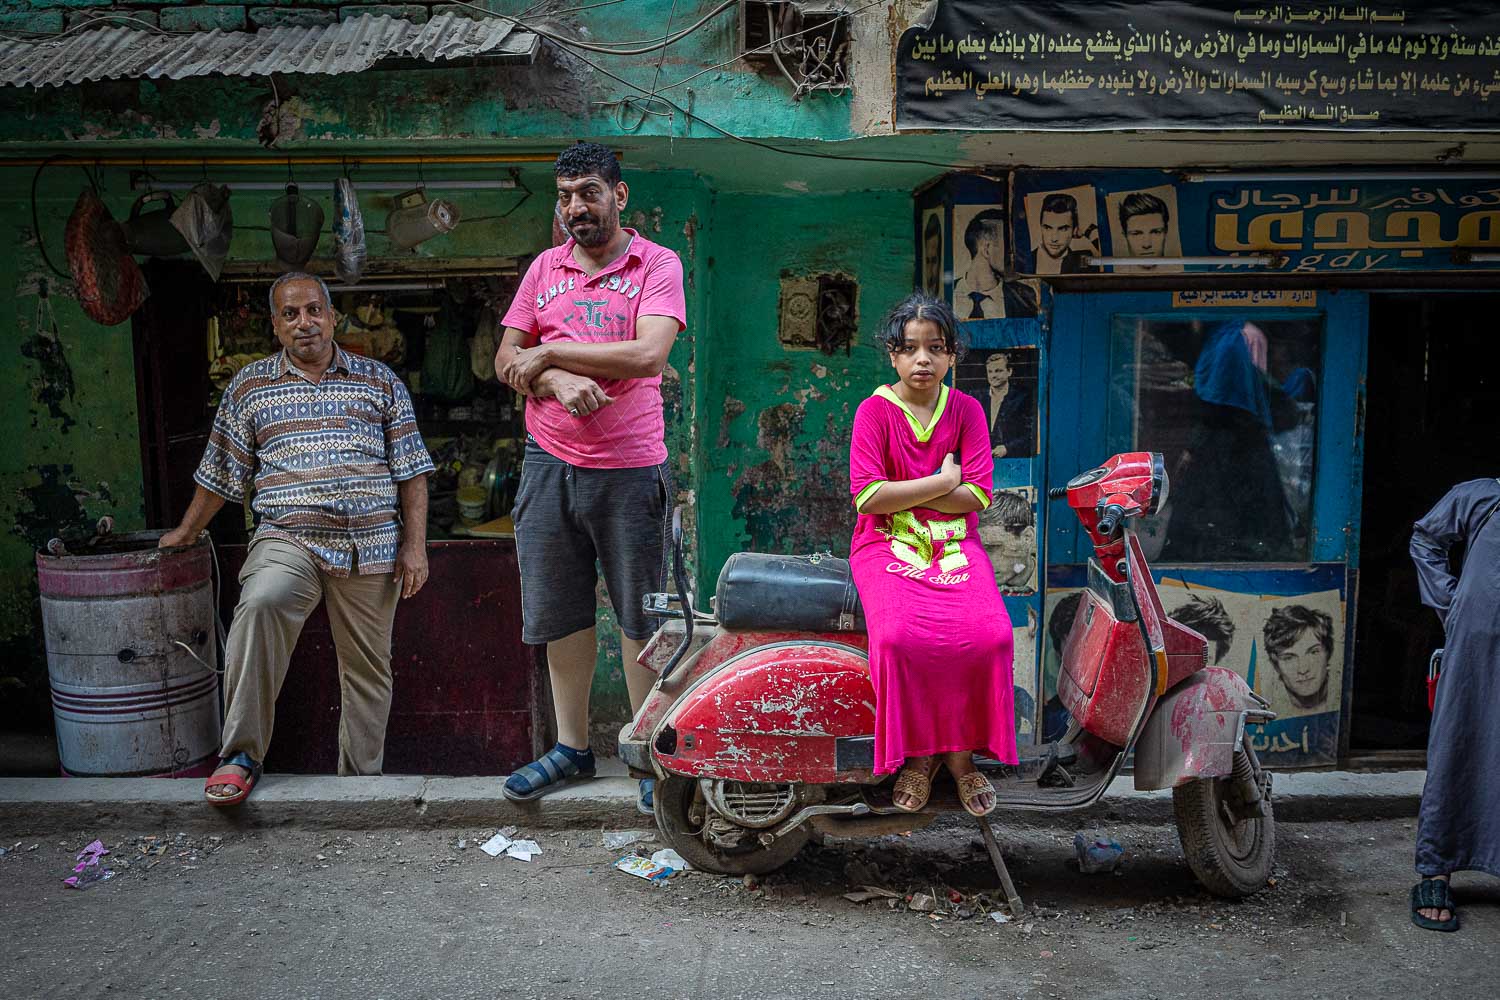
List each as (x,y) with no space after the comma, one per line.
(765,145)
(765,48)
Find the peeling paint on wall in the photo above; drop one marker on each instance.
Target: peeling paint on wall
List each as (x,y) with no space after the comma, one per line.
(53,508)
(798,498)
(54,379)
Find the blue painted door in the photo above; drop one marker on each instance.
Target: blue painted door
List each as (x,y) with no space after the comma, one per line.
(1255,402)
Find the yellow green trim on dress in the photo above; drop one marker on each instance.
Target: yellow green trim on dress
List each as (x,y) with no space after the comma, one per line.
(867,493)
(922,433)
(984,501)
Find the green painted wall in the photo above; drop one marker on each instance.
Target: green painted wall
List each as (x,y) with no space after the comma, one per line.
(68,420)
(775,422)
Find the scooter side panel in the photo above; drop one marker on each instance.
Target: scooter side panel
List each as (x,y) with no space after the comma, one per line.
(773,715)
(1193,730)
(1102,683)
(724,646)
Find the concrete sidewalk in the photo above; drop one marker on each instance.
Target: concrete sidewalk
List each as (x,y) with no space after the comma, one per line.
(37,806)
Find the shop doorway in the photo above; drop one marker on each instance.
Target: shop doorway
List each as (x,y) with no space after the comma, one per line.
(1432,420)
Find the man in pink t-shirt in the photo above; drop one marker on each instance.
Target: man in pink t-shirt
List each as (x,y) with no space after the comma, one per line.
(586,339)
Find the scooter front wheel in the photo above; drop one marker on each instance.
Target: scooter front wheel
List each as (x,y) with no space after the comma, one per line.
(1229,842)
(683,816)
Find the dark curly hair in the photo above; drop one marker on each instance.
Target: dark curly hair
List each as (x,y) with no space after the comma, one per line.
(1286,624)
(584,158)
(1208,617)
(920,306)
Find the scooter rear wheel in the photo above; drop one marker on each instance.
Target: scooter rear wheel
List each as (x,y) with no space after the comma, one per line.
(680,816)
(1229,851)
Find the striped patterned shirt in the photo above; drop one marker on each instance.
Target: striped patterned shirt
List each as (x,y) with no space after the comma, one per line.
(323,458)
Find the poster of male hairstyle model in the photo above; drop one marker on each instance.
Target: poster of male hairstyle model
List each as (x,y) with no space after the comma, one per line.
(1144,223)
(980,289)
(1004,380)
(1064,229)
(1007,530)
(930,250)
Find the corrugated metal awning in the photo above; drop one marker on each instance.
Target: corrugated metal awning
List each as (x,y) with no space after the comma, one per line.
(346,47)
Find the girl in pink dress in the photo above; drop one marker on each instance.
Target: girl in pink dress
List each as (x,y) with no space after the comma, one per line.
(940,641)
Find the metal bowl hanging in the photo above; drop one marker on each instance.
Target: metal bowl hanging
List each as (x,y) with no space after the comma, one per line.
(296,225)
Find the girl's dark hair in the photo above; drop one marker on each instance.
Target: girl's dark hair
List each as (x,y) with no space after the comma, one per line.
(920,306)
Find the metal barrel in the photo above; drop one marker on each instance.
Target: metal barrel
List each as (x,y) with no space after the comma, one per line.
(126,699)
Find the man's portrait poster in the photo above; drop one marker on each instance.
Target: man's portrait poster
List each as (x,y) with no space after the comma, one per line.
(1144,224)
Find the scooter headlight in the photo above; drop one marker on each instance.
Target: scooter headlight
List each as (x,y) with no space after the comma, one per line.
(1161,486)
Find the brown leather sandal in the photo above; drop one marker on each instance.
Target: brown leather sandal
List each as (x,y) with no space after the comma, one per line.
(970,787)
(916,784)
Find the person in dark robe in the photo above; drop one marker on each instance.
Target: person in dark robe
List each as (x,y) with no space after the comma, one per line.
(1458,826)
(1227,495)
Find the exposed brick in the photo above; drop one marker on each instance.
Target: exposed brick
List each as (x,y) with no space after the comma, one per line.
(203,18)
(31,20)
(69,3)
(284,17)
(136,17)
(406,12)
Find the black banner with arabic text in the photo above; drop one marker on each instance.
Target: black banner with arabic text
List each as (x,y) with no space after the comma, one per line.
(1106,64)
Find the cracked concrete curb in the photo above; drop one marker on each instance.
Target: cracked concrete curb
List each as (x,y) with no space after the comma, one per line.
(39,806)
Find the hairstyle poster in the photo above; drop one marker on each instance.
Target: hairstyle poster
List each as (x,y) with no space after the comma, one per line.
(1144,224)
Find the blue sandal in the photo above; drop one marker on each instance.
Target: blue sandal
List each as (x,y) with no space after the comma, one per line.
(645,797)
(552,770)
(1433,894)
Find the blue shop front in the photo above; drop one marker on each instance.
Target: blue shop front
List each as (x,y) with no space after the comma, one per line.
(1307,352)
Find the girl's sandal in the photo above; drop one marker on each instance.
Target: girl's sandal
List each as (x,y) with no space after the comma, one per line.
(914,783)
(970,787)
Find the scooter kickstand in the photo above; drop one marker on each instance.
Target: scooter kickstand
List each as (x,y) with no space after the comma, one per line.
(1012,898)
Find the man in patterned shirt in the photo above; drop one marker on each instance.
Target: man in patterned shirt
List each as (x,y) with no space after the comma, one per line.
(328,442)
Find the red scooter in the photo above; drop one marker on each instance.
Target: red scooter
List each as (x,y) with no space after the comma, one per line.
(758,729)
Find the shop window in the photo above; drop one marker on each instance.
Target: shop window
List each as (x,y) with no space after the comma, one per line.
(1232,405)
(440,337)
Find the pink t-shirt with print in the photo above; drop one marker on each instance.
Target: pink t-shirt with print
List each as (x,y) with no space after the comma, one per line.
(558,300)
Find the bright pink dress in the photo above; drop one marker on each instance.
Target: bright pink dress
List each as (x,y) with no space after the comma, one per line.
(940,637)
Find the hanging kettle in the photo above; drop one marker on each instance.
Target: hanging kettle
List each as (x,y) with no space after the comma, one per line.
(296,224)
(151,234)
(415,219)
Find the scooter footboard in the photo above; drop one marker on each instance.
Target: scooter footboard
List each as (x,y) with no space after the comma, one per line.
(1195,729)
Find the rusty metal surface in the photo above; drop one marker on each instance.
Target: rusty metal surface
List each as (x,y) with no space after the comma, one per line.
(346,47)
(774,715)
(127,699)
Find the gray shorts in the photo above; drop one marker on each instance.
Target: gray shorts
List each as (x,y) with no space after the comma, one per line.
(568,518)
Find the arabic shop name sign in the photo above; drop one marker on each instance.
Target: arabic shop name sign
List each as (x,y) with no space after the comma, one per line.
(1343,226)
(1071,64)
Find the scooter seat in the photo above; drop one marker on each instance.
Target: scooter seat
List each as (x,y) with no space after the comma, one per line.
(758,590)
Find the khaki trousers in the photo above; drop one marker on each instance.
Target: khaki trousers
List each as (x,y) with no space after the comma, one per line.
(280,585)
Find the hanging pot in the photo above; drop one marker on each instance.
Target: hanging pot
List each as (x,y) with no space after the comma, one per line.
(151,234)
(296,224)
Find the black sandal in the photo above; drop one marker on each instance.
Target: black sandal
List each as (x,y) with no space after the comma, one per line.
(1433,894)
